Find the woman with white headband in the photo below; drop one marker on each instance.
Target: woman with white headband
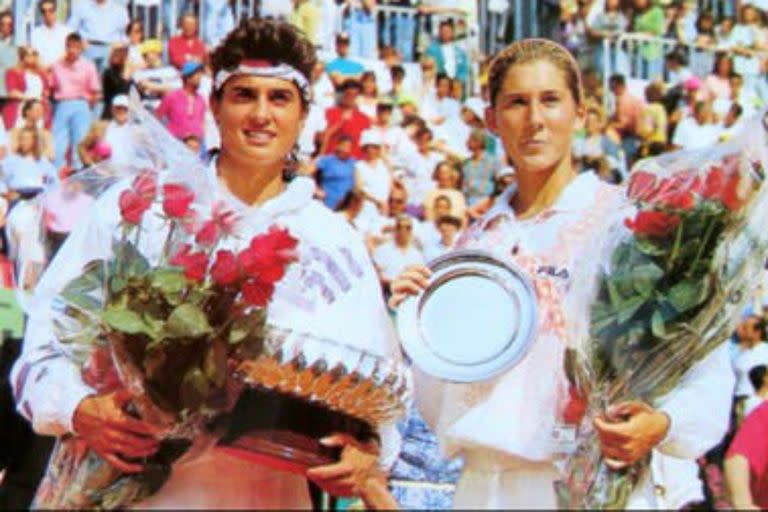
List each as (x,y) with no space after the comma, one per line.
(260,101)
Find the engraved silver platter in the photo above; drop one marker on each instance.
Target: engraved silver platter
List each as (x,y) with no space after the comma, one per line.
(475,320)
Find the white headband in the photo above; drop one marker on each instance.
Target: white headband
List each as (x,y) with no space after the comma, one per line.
(266,69)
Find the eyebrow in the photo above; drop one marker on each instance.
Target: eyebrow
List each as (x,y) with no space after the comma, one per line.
(255,89)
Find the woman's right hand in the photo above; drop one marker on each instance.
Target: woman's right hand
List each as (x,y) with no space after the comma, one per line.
(101,421)
(411,282)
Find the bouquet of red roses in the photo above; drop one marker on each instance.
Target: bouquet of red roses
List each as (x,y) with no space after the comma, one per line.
(671,292)
(163,319)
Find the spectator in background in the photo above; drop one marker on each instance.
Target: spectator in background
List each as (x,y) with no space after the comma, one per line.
(705,30)
(478,170)
(394,256)
(758,377)
(183,110)
(426,88)
(360,24)
(441,107)
(450,58)
(504,179)
(718,83)
(752,350)
(76,89)
(64,208)
(345,119)
(747,36)
(724,33)
(342,68)
(397,77)
(598,151)
(607,23)
(373,179)
(100,23)
(369,95)
(447,180)
(94,148)
(745,96)
(187,45)
(731,122)
(135,34)
(116,79)
(654,123)
(24,81)
(155,79)
(746,465)
(50,37)
(626,118)
(25,171)
(336,172)
(219,21)
(449,228)
(677,67)
(307,17)
(649,20)
(419,166)
(32,115)
(8,50)
(118,133)
(392,136)
(697,131)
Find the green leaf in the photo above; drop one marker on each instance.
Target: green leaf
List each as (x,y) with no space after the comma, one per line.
(194,389)
(215,363)
(169,281)
(650,247)
(124,320)
(686,295)
(629,308)
(155,326)
(187,321)
(246,325)
(658,327)
(128,259)
(80,291)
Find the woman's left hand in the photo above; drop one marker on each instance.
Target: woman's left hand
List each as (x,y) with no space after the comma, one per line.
(352,473)
(629,431)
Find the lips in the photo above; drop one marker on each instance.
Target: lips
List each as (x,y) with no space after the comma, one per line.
(259,137)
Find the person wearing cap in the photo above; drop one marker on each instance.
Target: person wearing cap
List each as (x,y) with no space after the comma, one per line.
(100,23)
(155,79)
(373,178)
(342,68)
(76,89)
(118,133)
(183,110)
(259,100)
(187,45)
(345,119)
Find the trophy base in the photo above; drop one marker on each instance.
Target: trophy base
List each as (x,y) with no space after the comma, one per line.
(284,432)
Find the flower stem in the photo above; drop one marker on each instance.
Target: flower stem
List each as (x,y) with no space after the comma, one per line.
(167,245)
(702,247)
(676,247)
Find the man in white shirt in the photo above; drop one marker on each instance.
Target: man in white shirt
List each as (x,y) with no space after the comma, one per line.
(49,38)
(393,257)
(100,23)
(419,166)
(119,134)
(697,131)
(448,227)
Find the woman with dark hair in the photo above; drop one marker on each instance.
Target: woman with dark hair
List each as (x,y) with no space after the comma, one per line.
(260,99)
(509,429)
(369,95)
(116,78)
(718,83)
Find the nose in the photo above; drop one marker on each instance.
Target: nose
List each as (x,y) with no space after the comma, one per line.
(260,111)
(535,118)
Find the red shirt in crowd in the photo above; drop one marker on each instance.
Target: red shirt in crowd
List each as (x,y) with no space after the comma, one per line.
(751,442)
(353,126)
(182,49)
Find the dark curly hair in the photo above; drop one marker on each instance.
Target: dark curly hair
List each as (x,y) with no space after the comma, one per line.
(273,40)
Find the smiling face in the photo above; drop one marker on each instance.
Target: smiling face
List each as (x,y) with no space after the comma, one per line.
(536,115)
(259,118)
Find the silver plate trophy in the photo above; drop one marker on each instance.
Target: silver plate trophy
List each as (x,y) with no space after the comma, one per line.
(476,318)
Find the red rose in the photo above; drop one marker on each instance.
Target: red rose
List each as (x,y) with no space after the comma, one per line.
(679,201)
(731,196)
(133,206)
(714,183)
(177,200)
(194,263)
(225,218)
(191,223)
(225,270)
(145,184)
(209,234)
(641,185)
(575,408)
(282,243)
(257,293)
(653,223)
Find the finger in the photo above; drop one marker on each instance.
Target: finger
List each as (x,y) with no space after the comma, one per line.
(609,431)
(118,463)
(331,471)
(614,452)
(128,424)
(128,439)
(627,409)
(421,270)
(130,451)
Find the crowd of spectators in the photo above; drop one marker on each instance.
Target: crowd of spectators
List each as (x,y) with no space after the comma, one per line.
(396,135)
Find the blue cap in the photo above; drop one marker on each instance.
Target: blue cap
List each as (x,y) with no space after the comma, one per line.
(190,68)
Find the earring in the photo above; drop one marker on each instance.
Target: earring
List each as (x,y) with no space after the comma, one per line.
(291,163)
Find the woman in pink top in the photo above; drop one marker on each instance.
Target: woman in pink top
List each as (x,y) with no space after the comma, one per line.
(718,83)
(25,80)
